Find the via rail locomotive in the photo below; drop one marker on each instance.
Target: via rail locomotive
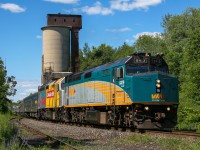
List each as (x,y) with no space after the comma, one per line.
(136,91)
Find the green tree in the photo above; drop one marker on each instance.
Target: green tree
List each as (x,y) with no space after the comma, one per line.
(85,57)
(97,56)
(123,51)
(182,38)
(102,54)
(150,44)
(7,88)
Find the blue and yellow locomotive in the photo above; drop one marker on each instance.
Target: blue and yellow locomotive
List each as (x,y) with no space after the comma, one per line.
(136,91)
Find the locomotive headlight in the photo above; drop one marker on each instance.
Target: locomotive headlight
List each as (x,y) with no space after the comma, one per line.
(168,108)
(158,85)
(158,81)
(146,108)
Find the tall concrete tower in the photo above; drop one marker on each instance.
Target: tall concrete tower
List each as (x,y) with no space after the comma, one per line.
(60,30)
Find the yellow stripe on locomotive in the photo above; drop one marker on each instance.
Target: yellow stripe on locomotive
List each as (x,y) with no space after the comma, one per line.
(97,92)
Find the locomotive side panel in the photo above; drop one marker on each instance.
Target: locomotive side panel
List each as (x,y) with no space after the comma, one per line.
(42,99)
(97,93)
(30,105)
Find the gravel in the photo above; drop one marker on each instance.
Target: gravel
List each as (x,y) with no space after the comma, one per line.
(93,138)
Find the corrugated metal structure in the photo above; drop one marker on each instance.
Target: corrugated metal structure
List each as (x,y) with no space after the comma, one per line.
(73,21)
(56,51)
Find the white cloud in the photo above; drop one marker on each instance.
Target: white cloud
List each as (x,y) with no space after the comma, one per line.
(129,41)
(96,9)
(14,8)
(38,37)
(31,90)
(127,5)
(25,88)
(136,36)
(63,1)
(26,83)
(23,94)
(119,30)
(119,5)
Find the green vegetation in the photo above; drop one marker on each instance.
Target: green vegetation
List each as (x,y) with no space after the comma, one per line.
(137,139)
(178,143)
(7,88)
(7,133)
(182,38)
(180,43)
(170,143)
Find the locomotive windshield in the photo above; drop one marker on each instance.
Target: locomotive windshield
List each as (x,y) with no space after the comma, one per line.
(142,63)
(142,69)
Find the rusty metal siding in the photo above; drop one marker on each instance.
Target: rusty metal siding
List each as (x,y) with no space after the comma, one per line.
(74,21)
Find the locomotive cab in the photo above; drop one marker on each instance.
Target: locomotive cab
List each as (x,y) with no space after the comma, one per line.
(153,91)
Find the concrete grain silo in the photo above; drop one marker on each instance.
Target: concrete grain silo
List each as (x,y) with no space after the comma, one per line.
(60,46)
(56,51)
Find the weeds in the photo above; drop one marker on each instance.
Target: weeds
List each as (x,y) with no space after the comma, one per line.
(137,139)
(169,143)
(8,132)
(178,144)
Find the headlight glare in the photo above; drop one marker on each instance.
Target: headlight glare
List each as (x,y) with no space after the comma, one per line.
(158,85)
(168,108)
(158,81)
(146,108)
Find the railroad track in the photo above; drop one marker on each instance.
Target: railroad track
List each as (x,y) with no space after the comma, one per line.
(90,138)
(175,133)
(187,133)
(128,129)
(43,138)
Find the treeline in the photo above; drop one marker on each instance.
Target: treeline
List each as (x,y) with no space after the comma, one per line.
(7,88)
(180,43)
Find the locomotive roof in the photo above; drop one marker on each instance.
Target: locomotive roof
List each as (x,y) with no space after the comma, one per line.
(120,62)
(30,97)
(108,65)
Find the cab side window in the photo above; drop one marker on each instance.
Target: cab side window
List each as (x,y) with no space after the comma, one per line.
(120,73)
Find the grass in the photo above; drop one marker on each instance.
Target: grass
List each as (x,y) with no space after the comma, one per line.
(137,139)
(178,144)
(7,132)
(169,143)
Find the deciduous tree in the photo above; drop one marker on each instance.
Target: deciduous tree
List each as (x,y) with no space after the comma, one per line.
(7,87)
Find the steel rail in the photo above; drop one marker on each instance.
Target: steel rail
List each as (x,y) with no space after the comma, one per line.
(174,132)
(70,147)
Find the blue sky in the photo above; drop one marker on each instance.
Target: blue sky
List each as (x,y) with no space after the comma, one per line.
(104,21)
